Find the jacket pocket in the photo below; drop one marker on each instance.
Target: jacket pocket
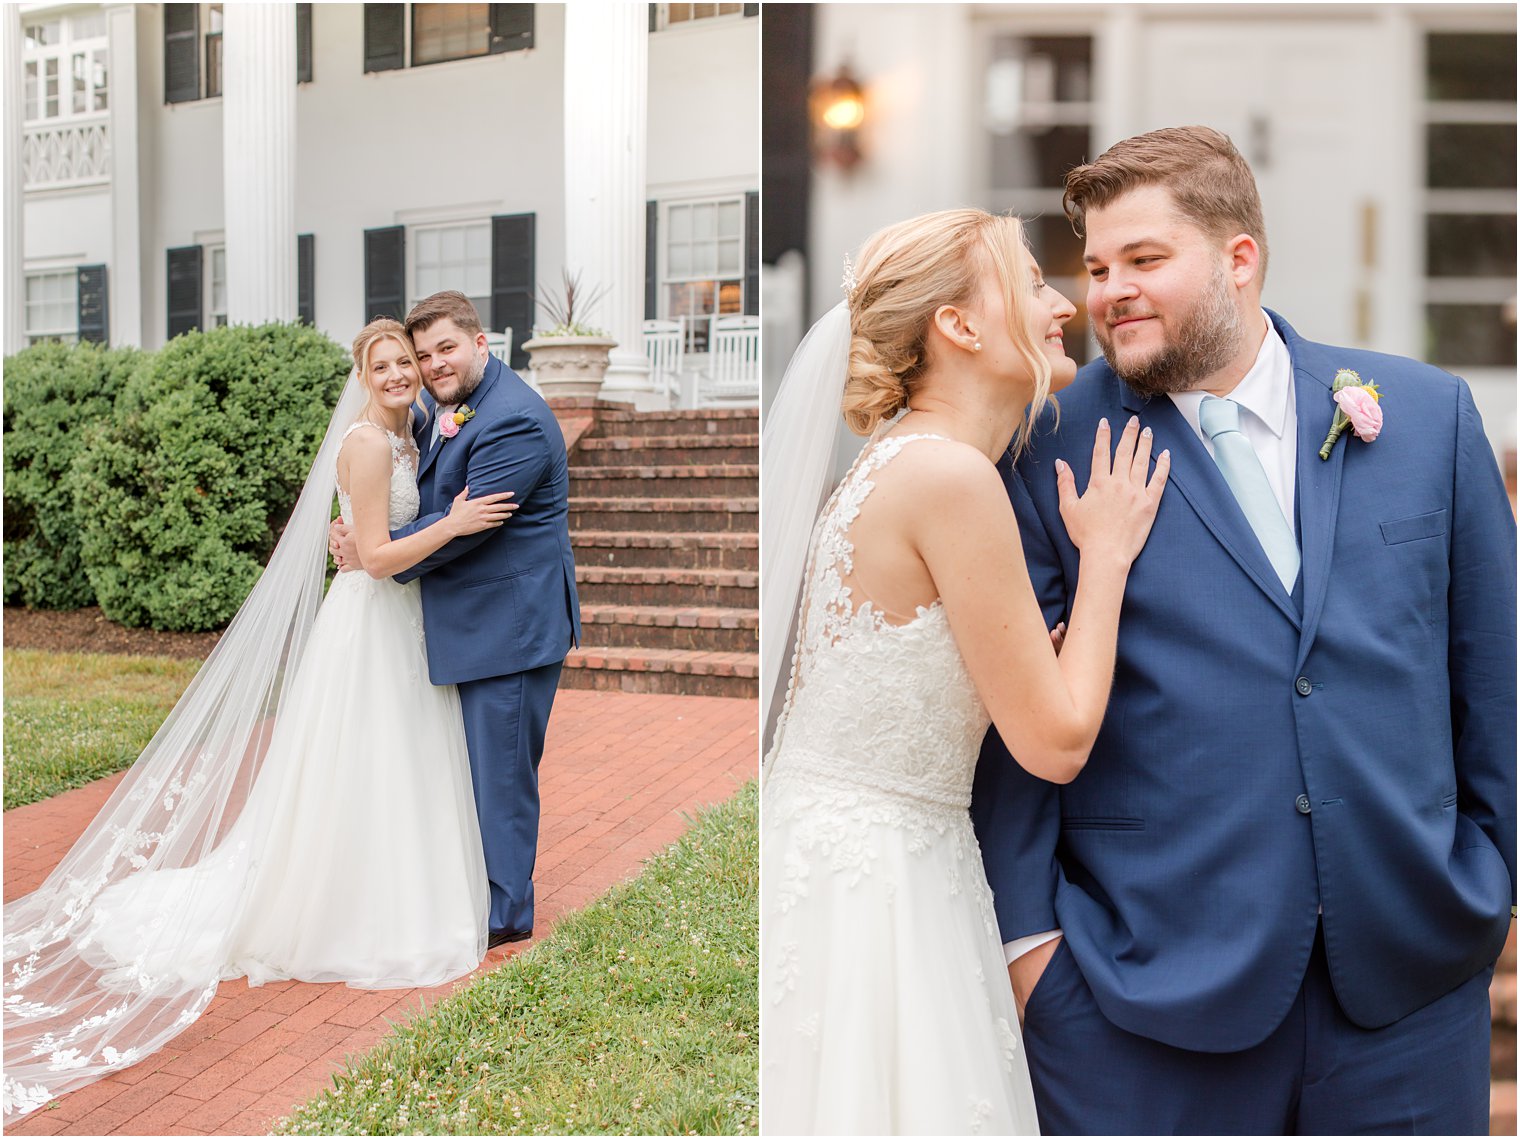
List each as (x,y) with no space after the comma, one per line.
(485,581)
(1401,530)
(1101,823)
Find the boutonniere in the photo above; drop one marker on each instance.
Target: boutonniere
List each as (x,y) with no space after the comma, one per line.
(1356,406)
(449,425)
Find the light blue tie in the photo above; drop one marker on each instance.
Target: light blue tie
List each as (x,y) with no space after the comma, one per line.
(1220,420)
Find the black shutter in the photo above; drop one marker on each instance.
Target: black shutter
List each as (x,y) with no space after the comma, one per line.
(752,254)
(752,9)
(511,27)
(385,272)
(184,289)
(384,37)
(306,278)
(94,318)
(651,260)
(182,54)
(654,17)
(303,43)
(512,268)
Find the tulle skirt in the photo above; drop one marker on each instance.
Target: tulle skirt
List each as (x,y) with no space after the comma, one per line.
(357,857)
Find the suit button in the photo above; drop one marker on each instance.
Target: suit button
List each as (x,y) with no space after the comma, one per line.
(1302,686)
(1302,803)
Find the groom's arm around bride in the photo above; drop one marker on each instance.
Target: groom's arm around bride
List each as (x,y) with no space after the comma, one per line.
(1287,870)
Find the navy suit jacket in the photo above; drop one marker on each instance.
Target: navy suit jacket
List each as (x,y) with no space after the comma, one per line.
(1350,747)
(502,600)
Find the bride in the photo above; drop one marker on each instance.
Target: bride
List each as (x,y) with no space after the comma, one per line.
(306,809)
(886,1003)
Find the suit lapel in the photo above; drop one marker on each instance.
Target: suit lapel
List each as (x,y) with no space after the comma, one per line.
(1196,477)
(1319,480)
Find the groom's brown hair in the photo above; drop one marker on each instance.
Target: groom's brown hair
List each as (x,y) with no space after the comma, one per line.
(452,305)
(1207,177)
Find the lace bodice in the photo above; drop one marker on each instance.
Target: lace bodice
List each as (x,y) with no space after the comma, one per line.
(875,705)
(405,500)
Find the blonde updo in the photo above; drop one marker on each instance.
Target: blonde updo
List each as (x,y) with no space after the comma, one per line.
(909,270)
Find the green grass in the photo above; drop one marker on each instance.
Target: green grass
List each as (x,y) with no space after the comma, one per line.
(71,718)
(638,1015)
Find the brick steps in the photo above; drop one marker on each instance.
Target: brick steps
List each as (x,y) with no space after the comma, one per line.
(683,671)
(725,480)
(665,514)
(664,519)
(689,627)
(668,449)
(703,421)
(644,585)
(729,550)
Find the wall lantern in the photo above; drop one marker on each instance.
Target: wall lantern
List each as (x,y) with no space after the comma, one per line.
(837,106)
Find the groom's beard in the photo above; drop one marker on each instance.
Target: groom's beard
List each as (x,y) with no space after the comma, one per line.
(1207,337)
(460,386)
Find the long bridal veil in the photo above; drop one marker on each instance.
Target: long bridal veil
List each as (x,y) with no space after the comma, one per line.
(796,463)
(85,995)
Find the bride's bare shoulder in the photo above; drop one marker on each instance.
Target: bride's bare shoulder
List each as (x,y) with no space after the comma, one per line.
(938,465)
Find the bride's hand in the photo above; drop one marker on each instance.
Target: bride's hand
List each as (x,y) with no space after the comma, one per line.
(1115,513)
(471,515)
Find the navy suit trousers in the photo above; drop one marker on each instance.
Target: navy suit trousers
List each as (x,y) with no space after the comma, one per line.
(1316,1074)
(505,720)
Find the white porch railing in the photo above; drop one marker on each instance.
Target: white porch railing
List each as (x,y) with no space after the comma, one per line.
(75,153)
(733,362)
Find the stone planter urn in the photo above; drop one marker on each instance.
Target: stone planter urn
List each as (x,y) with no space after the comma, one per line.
(569,365)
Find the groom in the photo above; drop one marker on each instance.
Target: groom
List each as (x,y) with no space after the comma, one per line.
(1272,901)
(499,607)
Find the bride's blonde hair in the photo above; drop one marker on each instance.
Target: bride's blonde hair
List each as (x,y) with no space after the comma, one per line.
(907,271)
(381,328)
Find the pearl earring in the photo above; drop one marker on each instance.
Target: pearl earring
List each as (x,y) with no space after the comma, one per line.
(977,346)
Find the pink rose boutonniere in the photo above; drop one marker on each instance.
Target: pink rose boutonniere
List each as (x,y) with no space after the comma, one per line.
(449,425)
(1356,407)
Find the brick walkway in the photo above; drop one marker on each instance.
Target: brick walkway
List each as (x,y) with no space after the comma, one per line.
(618,771)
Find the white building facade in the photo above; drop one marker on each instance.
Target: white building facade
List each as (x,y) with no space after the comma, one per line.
(1383,138)
(189,165)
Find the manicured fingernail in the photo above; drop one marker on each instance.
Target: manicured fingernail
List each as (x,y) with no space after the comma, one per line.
(1133,420)
(1146,431)
(1060,465)
(1167,454)
(1103,423)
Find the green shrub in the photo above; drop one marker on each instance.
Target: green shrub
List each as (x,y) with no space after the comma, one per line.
(182,496)
(56,396)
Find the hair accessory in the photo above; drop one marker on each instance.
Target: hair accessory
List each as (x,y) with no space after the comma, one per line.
(849,284)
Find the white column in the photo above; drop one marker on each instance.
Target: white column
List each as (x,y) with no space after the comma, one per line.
(606,136)
(15,188)
(258,160)
(124,276)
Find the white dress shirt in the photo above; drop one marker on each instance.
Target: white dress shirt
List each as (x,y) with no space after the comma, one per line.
(1266,393)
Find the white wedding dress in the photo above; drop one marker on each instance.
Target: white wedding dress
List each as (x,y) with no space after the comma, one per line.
(886,1007)
(356,856)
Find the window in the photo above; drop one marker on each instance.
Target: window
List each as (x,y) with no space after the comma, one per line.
(64,68)
(216,287)
(679,15)
(703,263)
(193,50)
(52,306)
(442,32)
(456,256)
(1038,104)
(1469,135)
(438,33)
(214,51)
